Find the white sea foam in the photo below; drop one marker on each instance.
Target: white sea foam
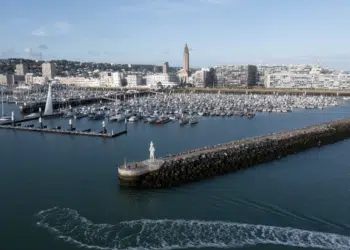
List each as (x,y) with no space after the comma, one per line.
(68,225)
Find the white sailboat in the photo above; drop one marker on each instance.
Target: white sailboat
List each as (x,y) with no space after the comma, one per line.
(3,118)
(48,105)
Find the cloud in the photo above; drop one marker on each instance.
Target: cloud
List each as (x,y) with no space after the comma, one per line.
(42,47)
(58,28)
(9,53)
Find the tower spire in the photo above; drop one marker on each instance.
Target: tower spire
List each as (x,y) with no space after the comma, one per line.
(186,49)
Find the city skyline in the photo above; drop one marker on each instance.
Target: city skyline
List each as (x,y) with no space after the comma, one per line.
(153,32)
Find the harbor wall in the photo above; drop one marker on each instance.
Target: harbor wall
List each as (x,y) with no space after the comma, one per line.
(264,91)
(241,154)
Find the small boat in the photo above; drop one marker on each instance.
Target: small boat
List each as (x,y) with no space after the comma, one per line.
(79,116)
(183,121)
(32,115)
(151,120)
(133,119)
(5,118)
(98,116)
(193,121)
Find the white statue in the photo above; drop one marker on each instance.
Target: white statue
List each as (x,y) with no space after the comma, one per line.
(151,151)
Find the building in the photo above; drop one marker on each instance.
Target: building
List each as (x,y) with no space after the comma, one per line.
(48,70)
(288,80)
(21,69)
(117,79)
(134,80)
(79,81)
(106,79)
(227,75)
(28,78)
(184,73)
(165,68)
(162,80)
(308,76)
(200,78)
(9,79)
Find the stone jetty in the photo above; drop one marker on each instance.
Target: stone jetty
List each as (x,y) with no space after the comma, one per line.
(199,164)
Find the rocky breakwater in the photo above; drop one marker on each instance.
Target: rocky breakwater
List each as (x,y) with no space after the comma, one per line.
(228,157)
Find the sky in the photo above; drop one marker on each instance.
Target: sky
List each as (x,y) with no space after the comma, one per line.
(155,31)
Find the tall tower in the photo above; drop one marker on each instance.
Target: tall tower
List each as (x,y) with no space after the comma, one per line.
(165,68)
(186,59)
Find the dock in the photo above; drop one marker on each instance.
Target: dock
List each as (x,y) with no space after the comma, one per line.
(28,108)
(64,132)
(30,119)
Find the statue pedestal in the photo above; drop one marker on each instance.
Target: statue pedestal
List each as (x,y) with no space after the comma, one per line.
(153,164)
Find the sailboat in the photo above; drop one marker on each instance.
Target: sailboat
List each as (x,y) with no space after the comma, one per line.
(3,118)
(48,105)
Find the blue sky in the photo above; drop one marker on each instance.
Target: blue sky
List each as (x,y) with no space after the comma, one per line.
(154,31)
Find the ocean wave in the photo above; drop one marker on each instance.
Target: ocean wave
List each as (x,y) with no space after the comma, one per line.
(69,226)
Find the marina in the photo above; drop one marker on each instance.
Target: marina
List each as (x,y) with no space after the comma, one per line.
(131,107)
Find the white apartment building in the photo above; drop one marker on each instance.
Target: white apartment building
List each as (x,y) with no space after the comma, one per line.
(106,79)
(288,80)
(21,69)
(237,74)
(301,68)
(48,70)
(312,80)
(117,79)
(165,79)
(200,78)
(134,80)
(79,81)
(29,78)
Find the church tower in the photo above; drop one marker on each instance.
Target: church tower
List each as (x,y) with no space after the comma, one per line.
(184,73)
(186,59)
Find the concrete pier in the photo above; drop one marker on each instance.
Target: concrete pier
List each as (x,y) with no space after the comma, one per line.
(206,162)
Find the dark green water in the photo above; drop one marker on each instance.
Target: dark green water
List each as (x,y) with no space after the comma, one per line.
(60,192)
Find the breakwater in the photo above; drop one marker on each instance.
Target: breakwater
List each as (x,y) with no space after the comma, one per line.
(206,162)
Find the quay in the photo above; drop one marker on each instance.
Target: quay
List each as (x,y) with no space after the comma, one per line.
(28,108)
(268,91)
(62,131)
(207,162)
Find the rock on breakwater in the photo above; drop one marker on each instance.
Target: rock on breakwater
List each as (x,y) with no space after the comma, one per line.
(228,157)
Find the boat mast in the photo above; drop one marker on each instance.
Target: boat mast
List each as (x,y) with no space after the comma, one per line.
(2,102)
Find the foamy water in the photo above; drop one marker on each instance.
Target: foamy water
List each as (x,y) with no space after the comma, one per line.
(69,226)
